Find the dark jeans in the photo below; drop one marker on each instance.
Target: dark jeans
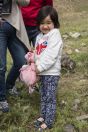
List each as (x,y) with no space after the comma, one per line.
(32,33)
(17,50)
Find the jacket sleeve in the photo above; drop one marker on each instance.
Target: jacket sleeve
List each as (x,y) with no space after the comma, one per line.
(23,2)
(48,2)
(53,50)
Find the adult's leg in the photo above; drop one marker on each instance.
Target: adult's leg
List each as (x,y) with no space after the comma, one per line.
(17,51)
(3,48)
(4,34)
(32,32)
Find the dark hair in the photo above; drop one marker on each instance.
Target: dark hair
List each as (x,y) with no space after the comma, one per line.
(48,11)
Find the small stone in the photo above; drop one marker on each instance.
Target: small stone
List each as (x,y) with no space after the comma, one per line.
(77,51)
(69,52)
(75,35)
(83,44)
(82,117)
(75,107)
(65,36)
(76,101)
(69,128)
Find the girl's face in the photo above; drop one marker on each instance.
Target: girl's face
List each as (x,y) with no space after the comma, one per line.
(46,25)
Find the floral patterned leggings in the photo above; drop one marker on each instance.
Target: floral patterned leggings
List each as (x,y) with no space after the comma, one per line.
(48,90)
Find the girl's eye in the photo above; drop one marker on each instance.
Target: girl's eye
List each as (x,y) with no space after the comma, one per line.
(46,22)
(49,22)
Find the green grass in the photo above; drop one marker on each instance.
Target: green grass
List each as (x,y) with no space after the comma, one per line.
(25,109)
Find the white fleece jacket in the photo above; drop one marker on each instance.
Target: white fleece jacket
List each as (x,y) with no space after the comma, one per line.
(48,51)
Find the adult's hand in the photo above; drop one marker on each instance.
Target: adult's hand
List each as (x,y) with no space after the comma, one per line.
(23,2)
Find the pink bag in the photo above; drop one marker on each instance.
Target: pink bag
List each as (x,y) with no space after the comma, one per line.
(27,72)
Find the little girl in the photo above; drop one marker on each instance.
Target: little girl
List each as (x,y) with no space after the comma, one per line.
(48,50)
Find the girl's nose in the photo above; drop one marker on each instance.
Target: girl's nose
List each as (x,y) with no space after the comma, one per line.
(45,26)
